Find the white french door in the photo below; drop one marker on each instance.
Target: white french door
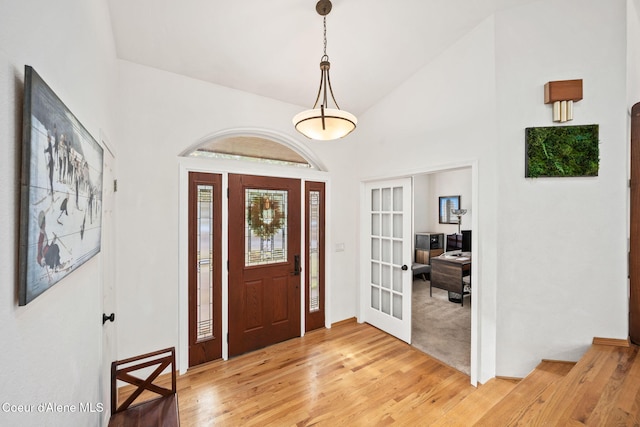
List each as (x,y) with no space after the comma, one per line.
(385,294)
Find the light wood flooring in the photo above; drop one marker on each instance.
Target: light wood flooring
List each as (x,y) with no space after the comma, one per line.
(349,375)
(355,375)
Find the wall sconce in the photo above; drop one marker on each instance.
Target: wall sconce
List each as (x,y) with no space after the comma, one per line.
(562,94)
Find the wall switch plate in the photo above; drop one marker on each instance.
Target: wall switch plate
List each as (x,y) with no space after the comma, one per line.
(339,247)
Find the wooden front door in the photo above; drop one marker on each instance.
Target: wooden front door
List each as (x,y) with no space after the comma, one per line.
(264,261)
(205,267)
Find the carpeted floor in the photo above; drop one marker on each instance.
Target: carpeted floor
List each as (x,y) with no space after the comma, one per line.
(441,328)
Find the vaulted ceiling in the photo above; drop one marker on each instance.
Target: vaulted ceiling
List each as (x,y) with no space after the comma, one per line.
(273,48)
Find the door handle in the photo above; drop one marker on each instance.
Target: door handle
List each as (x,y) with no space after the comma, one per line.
(296,265)
(404,267)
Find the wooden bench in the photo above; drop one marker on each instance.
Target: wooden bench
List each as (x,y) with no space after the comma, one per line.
(162,409)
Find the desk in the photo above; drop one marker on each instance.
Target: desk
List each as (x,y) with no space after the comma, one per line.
(447,273)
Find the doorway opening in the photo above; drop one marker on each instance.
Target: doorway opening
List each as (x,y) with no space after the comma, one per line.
(441,319)
(427,188)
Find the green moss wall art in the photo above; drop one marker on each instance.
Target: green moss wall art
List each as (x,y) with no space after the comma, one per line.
(561,151)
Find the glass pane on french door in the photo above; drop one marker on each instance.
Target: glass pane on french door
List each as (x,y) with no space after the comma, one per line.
(387,290)
(386,251)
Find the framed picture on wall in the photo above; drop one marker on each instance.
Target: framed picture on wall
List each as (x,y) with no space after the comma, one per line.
(61,191)
(445,205)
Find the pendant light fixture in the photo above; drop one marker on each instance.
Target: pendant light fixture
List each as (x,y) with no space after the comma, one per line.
(324,123)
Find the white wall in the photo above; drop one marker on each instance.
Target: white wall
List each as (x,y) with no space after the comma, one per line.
(162,114)
(423,205)
(633,52)
(442,117)
(548,280)
(562,242)
(51,348)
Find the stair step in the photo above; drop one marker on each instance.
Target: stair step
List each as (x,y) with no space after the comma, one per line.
(602,389)
(532,392)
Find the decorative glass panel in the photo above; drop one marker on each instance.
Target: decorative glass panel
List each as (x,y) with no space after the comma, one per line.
(386,225)
(375,298)
(386,250)
(265,227)
(386,302)
(375,249)
(397,226)
(397,199)
(397,306)
(375,273)
(386,199)
(397,252)
(397,279)
(204,268)
(314,251)
(386,276)
(375,224)
(375,200)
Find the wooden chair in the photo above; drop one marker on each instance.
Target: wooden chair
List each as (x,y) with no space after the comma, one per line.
(161,410)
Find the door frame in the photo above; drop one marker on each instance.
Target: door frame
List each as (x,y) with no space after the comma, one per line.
(224,168)
(109,340)
(477,279)
(634,225)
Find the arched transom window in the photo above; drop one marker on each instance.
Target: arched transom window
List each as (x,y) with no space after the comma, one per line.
(250,148)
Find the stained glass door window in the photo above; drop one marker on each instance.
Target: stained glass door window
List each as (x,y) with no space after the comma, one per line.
(205,267)
(204,261)
(265,227)
(314,251)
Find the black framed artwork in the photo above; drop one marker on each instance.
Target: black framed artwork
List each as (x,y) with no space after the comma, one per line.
(445,205)
(61,191)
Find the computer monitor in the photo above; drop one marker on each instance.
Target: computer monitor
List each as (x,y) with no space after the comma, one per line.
(466,240)
(454,242)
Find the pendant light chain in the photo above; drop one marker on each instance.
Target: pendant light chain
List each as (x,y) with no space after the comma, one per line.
(325,73)
(325,36)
